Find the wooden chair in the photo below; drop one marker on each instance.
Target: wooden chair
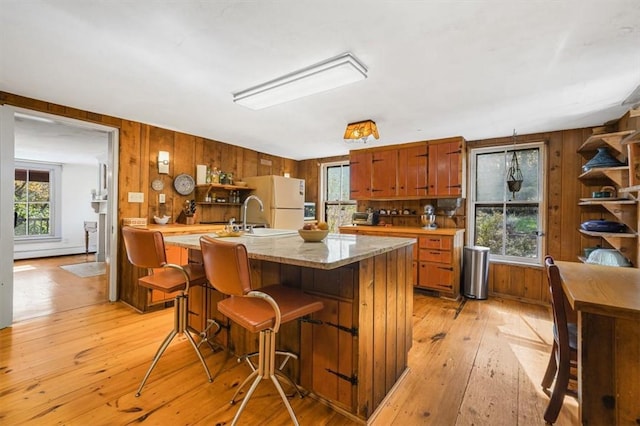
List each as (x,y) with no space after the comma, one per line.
(146,249)
(261,311)
(564,354)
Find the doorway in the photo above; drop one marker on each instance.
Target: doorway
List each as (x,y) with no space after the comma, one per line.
(64,136)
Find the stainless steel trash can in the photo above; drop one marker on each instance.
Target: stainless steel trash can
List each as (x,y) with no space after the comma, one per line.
(475,267)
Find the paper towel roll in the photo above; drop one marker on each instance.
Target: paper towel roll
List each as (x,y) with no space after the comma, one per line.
(201,174)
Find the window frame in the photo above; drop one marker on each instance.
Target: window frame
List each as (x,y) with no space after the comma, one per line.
(541,203)
(55,202)
(324,167)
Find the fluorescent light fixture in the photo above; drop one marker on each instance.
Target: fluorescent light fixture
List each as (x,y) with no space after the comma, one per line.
(326,75)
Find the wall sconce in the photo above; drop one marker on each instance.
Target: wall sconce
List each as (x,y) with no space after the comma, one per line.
(163,162)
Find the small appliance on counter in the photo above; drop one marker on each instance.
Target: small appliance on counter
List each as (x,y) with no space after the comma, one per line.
(428,219)
(365,218)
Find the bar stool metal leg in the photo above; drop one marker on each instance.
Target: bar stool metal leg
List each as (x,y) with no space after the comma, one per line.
(279,371)
(266,370)
(179,326)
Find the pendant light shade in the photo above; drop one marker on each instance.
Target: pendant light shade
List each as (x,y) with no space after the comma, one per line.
(362,131)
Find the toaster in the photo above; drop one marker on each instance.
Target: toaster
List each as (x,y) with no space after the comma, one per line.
(360,218)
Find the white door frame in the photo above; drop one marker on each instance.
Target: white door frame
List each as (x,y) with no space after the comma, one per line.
(7,154)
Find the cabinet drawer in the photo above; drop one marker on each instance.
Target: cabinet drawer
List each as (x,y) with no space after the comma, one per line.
(436,242)
(439,256)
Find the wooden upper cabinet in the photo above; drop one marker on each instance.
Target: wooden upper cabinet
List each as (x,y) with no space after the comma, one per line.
(383,177)
(360,174)
(446,168)
(413,163)
(433,168)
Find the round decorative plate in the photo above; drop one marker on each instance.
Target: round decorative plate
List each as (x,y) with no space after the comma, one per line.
(157,185)
(184,184)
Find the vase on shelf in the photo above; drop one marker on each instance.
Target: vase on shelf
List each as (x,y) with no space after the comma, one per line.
(602,159)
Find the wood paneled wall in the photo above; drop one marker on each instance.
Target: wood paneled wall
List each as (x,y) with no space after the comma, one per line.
(139,146)
(563,217)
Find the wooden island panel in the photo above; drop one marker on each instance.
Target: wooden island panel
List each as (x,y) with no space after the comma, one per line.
(350,371)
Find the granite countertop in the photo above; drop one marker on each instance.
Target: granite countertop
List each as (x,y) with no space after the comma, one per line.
(402,230)
(334,251)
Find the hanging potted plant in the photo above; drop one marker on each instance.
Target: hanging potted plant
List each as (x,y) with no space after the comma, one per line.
(514,174)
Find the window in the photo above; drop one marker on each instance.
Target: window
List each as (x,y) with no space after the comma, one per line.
(338,209)
(509,223)
(36,186)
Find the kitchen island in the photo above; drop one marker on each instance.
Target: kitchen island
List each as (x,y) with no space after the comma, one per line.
(354,351)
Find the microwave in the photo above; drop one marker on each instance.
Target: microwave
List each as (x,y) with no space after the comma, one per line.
(359,218)
(309,211)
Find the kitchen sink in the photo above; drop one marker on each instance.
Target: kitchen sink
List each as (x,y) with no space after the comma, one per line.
(270,232)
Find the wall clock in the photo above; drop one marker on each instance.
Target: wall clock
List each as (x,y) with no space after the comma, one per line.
(157,185)
(184,184)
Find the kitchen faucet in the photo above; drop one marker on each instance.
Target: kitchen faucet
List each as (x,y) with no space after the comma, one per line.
(244,215)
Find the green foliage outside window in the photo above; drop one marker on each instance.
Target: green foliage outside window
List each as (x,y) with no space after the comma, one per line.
(338,208)
(507,224)
(32,203)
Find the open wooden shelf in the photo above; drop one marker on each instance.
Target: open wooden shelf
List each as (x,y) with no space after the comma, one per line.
(609,234)
(619,175)
(634,137)
(224,186)
(611,140)
(601,201)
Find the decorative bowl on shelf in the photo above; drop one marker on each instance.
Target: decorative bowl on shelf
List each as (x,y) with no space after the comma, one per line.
(313,235)
(240,183)
(608,257)
(161,220)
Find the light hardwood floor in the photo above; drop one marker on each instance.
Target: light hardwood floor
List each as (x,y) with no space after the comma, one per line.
(480,365)
(41,287)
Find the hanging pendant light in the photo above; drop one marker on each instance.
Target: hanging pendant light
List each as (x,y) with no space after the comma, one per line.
(514,174)
(362,131)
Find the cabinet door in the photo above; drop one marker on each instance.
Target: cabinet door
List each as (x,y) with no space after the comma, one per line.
(445,169)
(436,277)
(412,171)
(327,352)
(383,177)
(360,174)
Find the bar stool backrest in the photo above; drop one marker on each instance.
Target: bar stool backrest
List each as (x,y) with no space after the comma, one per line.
(145,248)
(226,265)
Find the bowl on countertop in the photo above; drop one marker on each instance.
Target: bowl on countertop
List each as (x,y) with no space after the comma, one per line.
(313,235)
(161,220)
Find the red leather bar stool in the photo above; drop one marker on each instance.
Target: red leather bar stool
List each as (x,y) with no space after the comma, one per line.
(145,249)
(261,311)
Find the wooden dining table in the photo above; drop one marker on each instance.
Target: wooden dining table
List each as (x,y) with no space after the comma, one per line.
(607,302)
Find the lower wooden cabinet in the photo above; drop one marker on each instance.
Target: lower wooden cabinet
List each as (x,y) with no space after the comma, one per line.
(435,254)
(437,259)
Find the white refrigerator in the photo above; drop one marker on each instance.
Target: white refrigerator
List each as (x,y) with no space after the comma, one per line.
(283,200)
